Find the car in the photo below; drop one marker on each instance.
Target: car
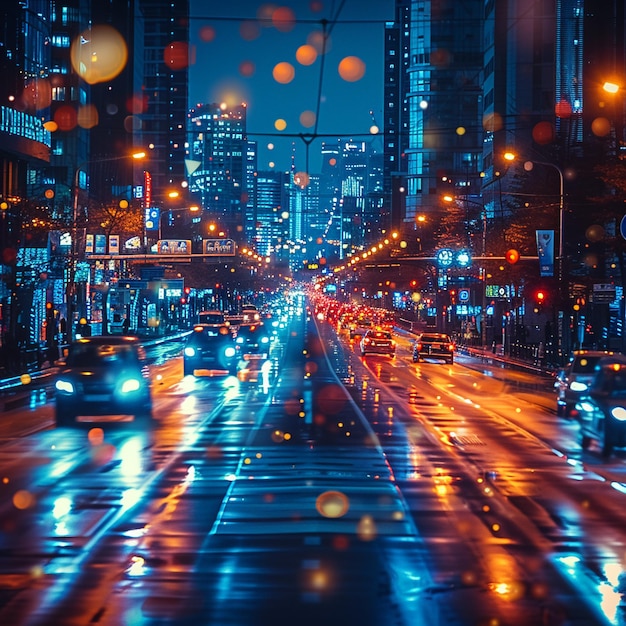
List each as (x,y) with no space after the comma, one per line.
(573,380)
(433,345)
(359,327)
(252,341)
(601,409)
(208,349)
(378,342)
(103,376)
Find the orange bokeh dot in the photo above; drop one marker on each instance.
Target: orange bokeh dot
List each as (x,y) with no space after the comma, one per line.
(23,499)
(306,54)
(96,436)
(301,179)
(332,504)
(176,55)
(66,117)
(543,133)
(600,127)
(307,119)
(563,108)
(283,72)
(137,103)
(99,54)
(37,94)
(207,33)
(351,69)
(332,161)
(280,124)
(283,19)
(87,116)
(492,122)
(247,68)
(51,126)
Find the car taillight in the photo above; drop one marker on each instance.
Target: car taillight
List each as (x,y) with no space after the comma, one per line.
(367,340)
(451,347)
(419,346)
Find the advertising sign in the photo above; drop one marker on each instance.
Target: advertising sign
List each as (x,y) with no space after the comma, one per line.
(89,244)
(152,217)
(219,247)
(174,246)
(545,252)
(114,244)
(101,244)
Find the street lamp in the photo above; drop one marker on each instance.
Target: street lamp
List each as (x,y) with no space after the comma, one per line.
(528,166)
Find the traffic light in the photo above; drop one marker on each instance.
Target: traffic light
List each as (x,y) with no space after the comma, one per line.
(512,256)
(540,298)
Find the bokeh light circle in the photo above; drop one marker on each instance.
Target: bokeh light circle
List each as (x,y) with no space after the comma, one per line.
(595,232)
(332,504)
(249,30)
(207,33)
(283,19)
(306,54)
(176,55)
(87,116)
(543,133)
(66,117)
(492,122)
(563,109)
(99,54)
(351,69)
(307,119)
(280,124)
(247,68)
(301,179)
(601,127)
(283,72)
(317,39)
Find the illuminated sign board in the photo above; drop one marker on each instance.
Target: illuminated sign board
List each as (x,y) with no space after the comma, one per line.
(174,246)
(219,247)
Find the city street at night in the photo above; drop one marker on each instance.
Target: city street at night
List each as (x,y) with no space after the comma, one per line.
(343,489)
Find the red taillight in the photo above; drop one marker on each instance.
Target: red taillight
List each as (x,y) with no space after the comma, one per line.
(367,340)
(418,346)
(451,347)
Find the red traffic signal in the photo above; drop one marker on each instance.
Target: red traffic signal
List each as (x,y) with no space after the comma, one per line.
(512,256)
(540,296)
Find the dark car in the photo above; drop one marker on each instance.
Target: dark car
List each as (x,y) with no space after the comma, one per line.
(433,345)
(252,341)
(378,342)
(209,348)
(602,407)
(103,376)
(573,380)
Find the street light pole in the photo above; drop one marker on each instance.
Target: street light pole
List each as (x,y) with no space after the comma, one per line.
(528,166)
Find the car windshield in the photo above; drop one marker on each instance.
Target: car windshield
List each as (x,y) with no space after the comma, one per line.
(585,364)
(88,354)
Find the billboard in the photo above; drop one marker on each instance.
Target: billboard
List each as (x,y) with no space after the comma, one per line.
(174,246)
(219,247)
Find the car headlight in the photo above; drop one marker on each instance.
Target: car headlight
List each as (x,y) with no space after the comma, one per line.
(64,386)
(230,351)
(619,413)
(190,351)
(239,340)
(578,386)
(130,385)
(587,407)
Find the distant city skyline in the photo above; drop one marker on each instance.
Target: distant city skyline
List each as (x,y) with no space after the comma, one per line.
(233,57)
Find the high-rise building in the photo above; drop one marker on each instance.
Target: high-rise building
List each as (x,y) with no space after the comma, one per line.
(272,219)
(219,148)
(443,65)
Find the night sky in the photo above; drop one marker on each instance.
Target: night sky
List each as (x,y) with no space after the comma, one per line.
(234,55)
